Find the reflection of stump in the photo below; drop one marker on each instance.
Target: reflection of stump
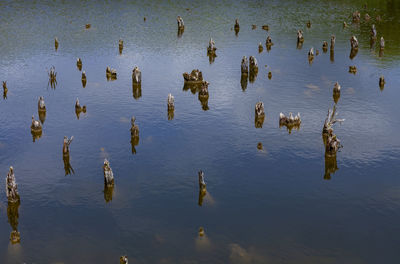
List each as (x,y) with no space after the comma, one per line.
(67,165)
(134,143)
(330,167)
(171,114)
(12,214)
(108,192)
(204,102)
(15,237)
(202,193)
(83,83)
(336,96)
(36,135)
(136,90)
(332,55)
(259,121)
(252,76)
(353,53)
(243,81)
(237,29)
(211,57)
(180,31)
(42,116)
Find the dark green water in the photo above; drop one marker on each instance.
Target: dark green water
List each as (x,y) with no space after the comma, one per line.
(274,205)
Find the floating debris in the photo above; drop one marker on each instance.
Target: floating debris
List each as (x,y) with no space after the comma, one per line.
(336,92)
(382,82)
(309,24)
(260,47)
(52,77)
(56,43)
(87,26)
(120,46)
(269,75)
(265,27)
(201,232)
(353,69)
(5,89)
(253,26)
(259,146)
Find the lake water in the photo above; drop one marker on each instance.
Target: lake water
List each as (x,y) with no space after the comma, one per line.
(280,204)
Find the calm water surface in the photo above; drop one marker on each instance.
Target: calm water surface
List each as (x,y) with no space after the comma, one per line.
(276,205)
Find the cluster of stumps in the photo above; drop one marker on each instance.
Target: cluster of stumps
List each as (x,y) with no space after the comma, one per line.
(193,80)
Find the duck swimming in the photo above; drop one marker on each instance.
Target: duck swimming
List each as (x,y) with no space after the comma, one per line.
(353,69)
(41,105)
(56,43)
